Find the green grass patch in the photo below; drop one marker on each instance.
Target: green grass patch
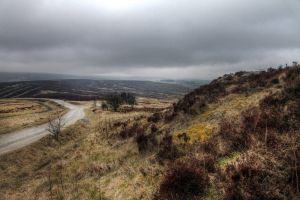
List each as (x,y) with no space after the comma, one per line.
(222,162)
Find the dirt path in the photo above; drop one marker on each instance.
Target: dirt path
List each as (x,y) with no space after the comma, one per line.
(18,139)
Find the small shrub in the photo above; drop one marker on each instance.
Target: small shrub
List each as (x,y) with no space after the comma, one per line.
(184,137)
(239,89)
(208,162)
(153,140)
(167,150)
(183,181)
(275,81)
(235,135)
(217,145)
(250,119)
(142,142)
(279,112)
(292,73)
(118,124)
(271,139)
(209,146)
(248,180)
(146,142)
(292,88)
(169,116)
(130,131)
(104,106)
(156,117)
(272,100)
(153,128)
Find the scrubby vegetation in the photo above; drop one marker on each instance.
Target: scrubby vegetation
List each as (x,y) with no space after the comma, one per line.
(183,181)
(235,138)
(253,153)
(115,100)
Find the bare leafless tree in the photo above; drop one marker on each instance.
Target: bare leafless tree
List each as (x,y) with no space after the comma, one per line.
(55,124)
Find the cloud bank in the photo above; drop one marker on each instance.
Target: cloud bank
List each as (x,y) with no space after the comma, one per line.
(163,38)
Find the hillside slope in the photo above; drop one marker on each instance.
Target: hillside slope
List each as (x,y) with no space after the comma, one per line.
(242,131)
(235,138)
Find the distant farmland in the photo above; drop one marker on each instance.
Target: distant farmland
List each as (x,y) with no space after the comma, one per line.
(80,89)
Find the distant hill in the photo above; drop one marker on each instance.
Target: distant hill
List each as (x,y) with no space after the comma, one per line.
(15,77)
(83,89)
(193,84)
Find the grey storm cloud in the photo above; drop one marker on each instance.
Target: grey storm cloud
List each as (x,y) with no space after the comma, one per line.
(180,38)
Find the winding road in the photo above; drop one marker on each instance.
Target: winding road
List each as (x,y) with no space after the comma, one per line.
(18,139)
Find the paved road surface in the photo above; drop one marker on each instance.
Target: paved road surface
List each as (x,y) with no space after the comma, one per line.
(18,139)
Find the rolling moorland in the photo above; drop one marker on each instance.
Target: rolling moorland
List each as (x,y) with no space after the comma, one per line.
(19,77)
(234,138)
(83,89)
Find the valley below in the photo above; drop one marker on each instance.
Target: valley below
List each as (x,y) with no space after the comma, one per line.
(85,89)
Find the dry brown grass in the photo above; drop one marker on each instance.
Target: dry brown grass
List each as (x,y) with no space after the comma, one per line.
(23,173)
(204,125)
(99,164)
(94,164)
(17,114)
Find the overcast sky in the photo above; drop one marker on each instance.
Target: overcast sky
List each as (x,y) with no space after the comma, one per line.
(149,38)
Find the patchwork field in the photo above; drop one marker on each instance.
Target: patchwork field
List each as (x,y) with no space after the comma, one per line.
(16,114)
